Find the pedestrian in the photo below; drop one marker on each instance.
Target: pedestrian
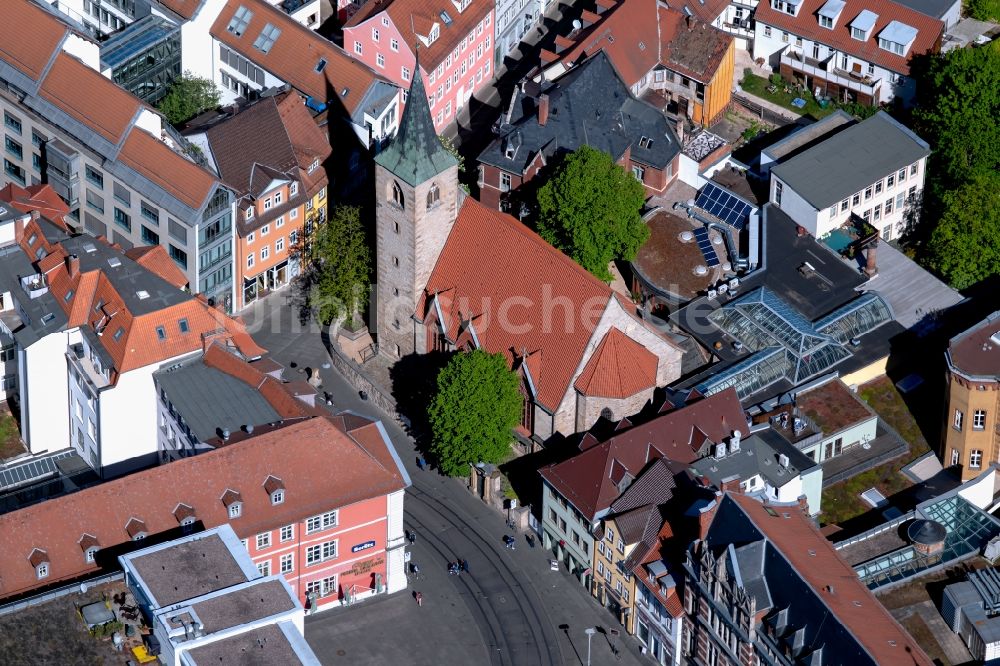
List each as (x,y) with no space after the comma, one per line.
(465,566)
(421,463)
(420,598)
(411,536)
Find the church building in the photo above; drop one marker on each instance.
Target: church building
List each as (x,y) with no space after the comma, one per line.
(455,275)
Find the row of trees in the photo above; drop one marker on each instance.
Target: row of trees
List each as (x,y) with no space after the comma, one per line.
(959,114)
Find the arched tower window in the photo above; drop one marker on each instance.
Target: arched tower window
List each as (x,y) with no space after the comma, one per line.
(433,196)
(606,413)
(397,195)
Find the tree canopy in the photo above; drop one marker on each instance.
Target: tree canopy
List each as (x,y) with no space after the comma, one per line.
(959,114)
(477,404)
(965,245)
(188,96)
(341,265)
(589,209)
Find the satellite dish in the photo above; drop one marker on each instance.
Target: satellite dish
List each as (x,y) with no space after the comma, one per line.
(577,24)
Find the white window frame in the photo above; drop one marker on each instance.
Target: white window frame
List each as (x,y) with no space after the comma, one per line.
(287,533)
(286,564)
(322,521)
(277,497)
(979,419)
(263,540)
(975,459)
(264,567)
(235,509)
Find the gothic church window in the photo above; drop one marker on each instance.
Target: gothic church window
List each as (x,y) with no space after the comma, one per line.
(397,195)
(433,196)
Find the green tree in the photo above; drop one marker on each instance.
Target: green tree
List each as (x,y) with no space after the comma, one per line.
(449,145)
(188,96)
(984,10)
(589,209)
(965,245)
(471,416)
(340,267)
(959,110)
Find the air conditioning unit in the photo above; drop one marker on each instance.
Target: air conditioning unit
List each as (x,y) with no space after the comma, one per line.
(783,460)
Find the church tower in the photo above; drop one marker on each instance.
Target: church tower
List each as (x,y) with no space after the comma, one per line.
(416,199)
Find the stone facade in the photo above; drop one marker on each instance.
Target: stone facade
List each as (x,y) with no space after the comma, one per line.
(411,226)
(972,430)
(590,408)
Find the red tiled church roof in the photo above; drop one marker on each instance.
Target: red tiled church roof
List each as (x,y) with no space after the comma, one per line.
(620,367)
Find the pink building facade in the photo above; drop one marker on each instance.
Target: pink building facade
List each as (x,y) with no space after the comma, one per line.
(330,558)
(456,53)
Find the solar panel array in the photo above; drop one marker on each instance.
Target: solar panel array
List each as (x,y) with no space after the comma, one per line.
(705,245)
(728,208)
(17,475)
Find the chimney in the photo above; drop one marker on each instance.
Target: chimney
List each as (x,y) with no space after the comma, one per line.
(871,267)
(543,109)
(689,20)
(73,265)
(19,227)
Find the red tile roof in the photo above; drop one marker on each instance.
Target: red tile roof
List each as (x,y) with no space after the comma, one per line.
(798,539)
(139,344)
(416,18)
(277,133)
(181,178)
(589,479)
(620,367)
(28,36)
(639,34)
(184,8)
(90,98)
(491,261)
(295,54)
(154,258)
(37,197)
(323,467)
(806,25)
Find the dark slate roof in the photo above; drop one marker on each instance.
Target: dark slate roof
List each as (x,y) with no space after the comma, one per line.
(209,400)
(655,485)
(851,160)
(416,154)
(588,105)
(758,454)
(933,8)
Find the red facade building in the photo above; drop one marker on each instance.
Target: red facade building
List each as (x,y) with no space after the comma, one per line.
(455,40)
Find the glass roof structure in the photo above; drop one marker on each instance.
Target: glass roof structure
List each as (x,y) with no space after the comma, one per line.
(786,345)
(967,528)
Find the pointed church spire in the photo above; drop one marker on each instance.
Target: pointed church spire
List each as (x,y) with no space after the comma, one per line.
(416,154)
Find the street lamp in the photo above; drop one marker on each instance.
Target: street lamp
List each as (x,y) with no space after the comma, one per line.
(590,631)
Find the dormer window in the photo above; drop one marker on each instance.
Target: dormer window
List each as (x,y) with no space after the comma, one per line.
(897,37)
(275,489)
(184,514)
(277,198)
(233,502)
(862,25)
(136,529)
(89,545)
(293,189)
(830,12)
(249,213)
(40,560)
(313,166)
(790,7)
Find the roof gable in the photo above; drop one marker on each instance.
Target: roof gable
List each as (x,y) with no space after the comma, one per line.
(491,258)
(620,367)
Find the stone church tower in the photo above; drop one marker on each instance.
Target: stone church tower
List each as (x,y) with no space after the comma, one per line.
(417,198)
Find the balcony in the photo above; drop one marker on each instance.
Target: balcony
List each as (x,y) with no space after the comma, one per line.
(77,356)
(826,71)
(35,285)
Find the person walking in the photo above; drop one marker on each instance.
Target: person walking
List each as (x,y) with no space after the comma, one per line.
(420,598)
(465,566)
(411,537)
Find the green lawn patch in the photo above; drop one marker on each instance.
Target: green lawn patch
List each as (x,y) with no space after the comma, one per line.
(759,86)
(842,501)
(10,437)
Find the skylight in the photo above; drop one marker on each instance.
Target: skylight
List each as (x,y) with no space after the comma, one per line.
(114,262)
(267,37)
(142,294)
(320,66)
(445,17)
(240,20)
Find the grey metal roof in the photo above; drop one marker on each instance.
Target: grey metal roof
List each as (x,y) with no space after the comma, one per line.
(35,317)
(809,135)
(851,160)
(935,8)
(588,105)
(376,98)
(416,154)
(209,400)
(914,294)
(758,454)
(126,276)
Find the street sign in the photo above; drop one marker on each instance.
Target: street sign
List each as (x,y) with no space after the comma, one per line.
(406,556)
